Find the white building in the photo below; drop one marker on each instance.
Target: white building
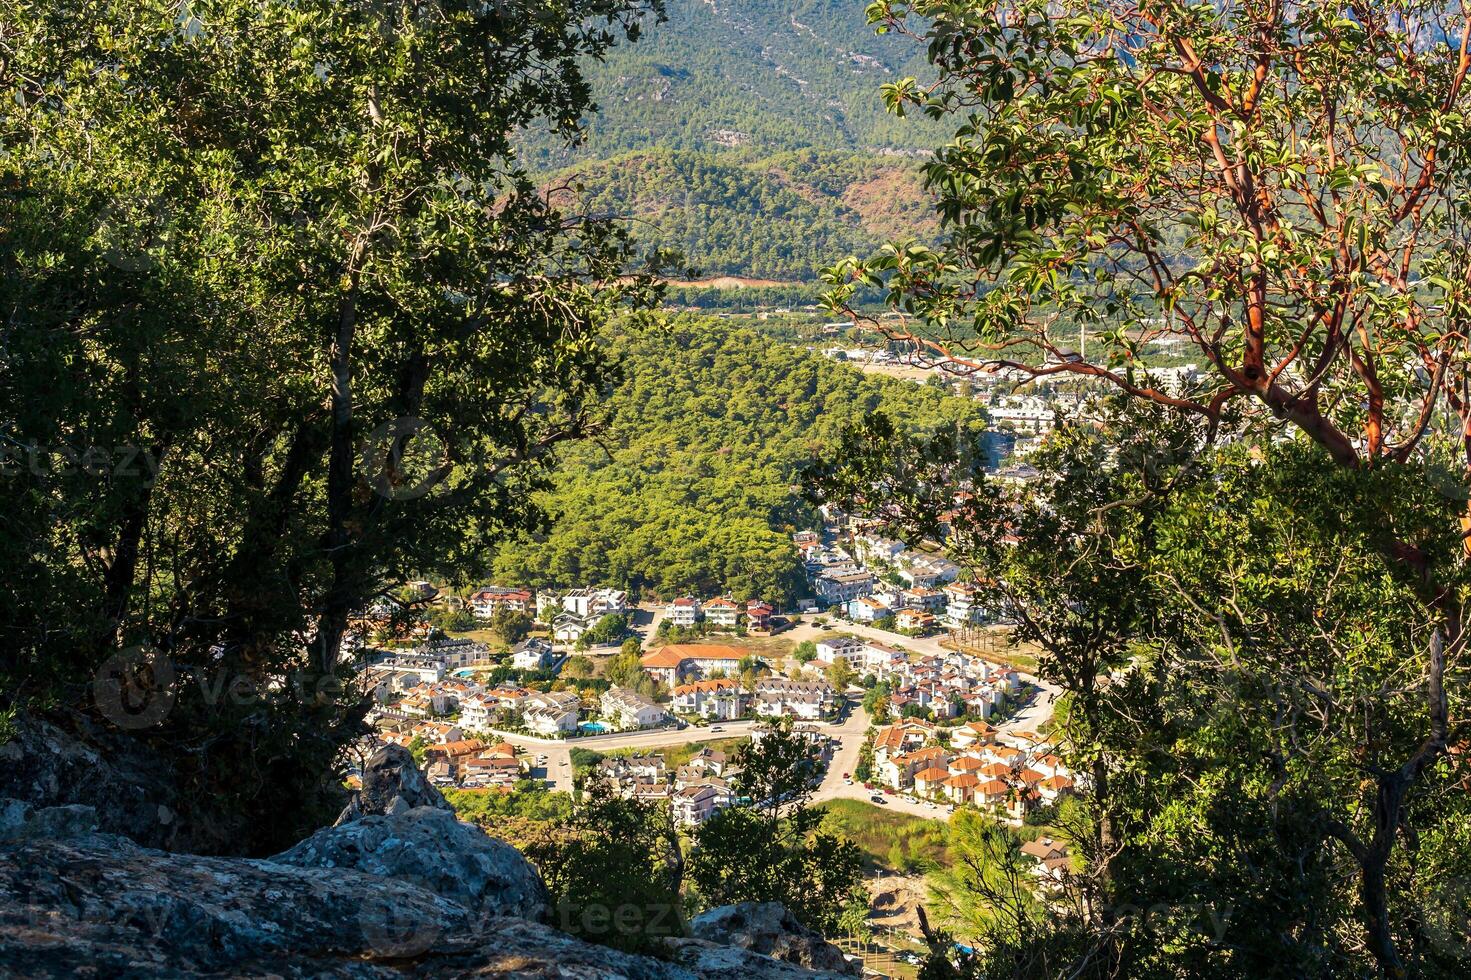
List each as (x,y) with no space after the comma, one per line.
(723,612)
(698,802)
(683,611)
(532,654)
(548,714)
(630,710)
(594,604)
(676,662)
(486,602)
(718,700)
(842,587)
(805,700)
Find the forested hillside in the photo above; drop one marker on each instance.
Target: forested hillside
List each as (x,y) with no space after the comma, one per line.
(781,216)
(804,73)
(692,490)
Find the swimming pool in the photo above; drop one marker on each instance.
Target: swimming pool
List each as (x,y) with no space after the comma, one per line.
(592,727)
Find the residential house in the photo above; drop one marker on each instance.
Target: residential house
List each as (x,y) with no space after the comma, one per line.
(923,599)
(840,588)
(962,605)
(832,647)
(551,713)
(491,599)
(972,733)
(698,802)
(759,615)
(569,627)
(674,663)
(915,620)
(532,654)
(806,700)
(723,612)
(961,787)
(719,699)
(930,781)
(684,611)
(708,761)
(867,609)
(594,604)
(630,710)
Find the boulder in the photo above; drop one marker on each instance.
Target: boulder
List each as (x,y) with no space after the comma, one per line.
(770,929)
(433,850)
(45,765)
(392,783)
(100,905)
(21,821)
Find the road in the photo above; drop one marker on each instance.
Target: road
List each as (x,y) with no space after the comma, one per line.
(558,752)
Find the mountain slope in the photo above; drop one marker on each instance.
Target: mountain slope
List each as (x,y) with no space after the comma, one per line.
(770,217)
(721,73)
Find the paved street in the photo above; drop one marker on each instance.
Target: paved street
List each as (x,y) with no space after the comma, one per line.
(558,752)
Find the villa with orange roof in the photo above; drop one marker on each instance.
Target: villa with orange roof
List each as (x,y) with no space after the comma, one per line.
(719,699)
(676,662)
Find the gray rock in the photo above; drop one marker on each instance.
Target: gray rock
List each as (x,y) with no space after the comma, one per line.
(768,928)
(46,765)
(392,783)
(435,851)
(21,821)
(101,905)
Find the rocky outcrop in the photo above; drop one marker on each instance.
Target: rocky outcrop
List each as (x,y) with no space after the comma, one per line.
(100,905)
(85,764)
(21,821)
(770,929)
(392,784)
(103,904)
(433,850)
(397,888)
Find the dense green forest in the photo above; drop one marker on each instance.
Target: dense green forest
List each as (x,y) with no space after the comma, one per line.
(692,488)
(778,216)
(758,73)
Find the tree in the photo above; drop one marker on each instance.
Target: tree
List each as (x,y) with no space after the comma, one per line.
(840,675)
(1277,187)
(805,652)
(451,619)
(407,326)
(771,848)
(511,626)
(613,869)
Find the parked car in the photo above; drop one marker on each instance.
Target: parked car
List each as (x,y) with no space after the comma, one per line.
(878,798)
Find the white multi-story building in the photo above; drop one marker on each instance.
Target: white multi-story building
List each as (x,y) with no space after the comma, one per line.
(718,700)
(684,611)
(630,710)
(532,654)
(962,605)
(805,700)
(548,714)
(491,599)
(839,588)
(673,664)
(723,612)
(594,604)
(698,802)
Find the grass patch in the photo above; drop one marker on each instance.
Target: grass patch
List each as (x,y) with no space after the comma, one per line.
(891,840)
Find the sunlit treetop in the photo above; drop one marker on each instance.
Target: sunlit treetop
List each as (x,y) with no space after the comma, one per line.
(1278,188)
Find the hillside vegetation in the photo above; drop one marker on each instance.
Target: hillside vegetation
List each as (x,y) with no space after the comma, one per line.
(773,76)
(692,489)
(779,217)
